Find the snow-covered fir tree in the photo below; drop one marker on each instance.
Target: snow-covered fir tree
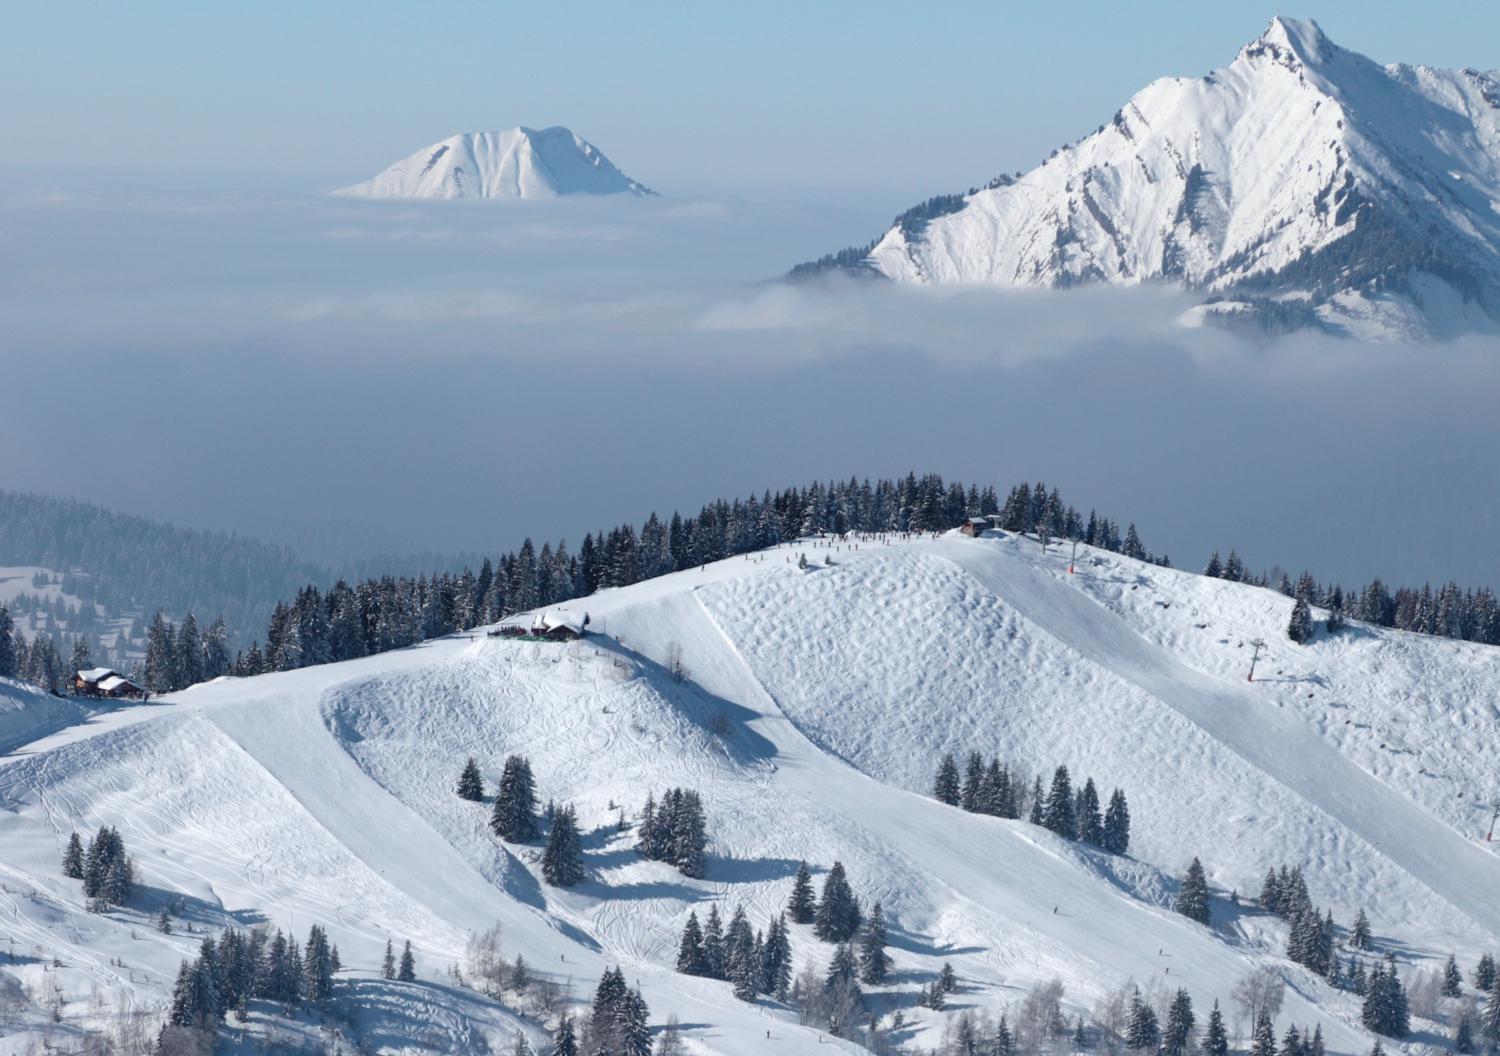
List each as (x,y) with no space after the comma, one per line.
(803,904)
(838,914)
(514,816)
(1192,894)
(470,784)
(874,963)
(562,858)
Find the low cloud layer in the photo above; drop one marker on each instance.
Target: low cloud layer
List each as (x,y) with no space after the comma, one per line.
(465,374)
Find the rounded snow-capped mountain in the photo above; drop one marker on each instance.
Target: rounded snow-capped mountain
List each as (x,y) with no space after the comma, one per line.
(515,163)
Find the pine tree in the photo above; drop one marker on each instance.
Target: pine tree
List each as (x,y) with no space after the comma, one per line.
(1090,821)
(388,964)
(973,790)
(874,964)
(1359,931)
(1263,1038)
(1489,1022)
(1453,982)
(1314,1046)
(1192,895)
(470,784)
(1291,1043)
(407,973)
(73,858)
(7,644)
(843,968)
(1215,1037)
(690,956)
(713,945)
(514,816)
(562,858)
(838,915)
(776,970)
(1117,824)
(1038,802)
(1058,815)
(1141,1029)
(564,1039)
(317,965)
(1484,973)
(1463,1038)
(740,964)
(945,786)
(1179,1029)
(802,905)
(947,979)
(1300,628)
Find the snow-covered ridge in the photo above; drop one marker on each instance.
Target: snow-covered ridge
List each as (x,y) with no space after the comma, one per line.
(1301,185)
(814,705)
(515,163)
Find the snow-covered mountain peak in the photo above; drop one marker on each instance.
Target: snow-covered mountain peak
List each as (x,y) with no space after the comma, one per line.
(516,163)
(1293,42)
(1301,185)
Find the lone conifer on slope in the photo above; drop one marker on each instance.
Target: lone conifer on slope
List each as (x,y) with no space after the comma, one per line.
(407,973)
(1038,801)
(874,964)
(1192,896)
(470,784)
(1300,628)
(838,915)
(945,786)
(802,905)
(562,859)
(388,964)
(1453,982)
(1359,932)
(514,816)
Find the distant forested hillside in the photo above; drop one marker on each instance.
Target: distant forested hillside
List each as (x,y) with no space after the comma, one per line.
(128,563)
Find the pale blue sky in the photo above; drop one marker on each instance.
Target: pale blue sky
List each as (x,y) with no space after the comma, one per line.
(895,98)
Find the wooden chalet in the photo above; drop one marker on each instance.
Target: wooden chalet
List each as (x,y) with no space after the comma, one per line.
(554,625)
(979,525)
(105,682)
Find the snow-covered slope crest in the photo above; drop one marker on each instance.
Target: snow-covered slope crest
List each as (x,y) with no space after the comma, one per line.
(516,163)
(1303,184)
(809,704)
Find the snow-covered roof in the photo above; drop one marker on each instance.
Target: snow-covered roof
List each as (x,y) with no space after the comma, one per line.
(114,682)
(554,619)
(95,674)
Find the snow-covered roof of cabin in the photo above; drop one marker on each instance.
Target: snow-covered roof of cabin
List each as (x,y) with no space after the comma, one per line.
(573,621)
(115,682)
(94,674)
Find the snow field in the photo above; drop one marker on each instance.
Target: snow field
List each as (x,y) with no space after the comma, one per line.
(815,708)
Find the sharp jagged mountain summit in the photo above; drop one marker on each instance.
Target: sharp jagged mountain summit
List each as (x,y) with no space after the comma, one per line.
(1302,185)
(516,163)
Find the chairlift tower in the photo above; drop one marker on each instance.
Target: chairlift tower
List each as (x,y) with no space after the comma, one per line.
(1259,644)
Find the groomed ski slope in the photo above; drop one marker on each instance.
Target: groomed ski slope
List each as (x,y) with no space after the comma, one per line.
(816,707)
